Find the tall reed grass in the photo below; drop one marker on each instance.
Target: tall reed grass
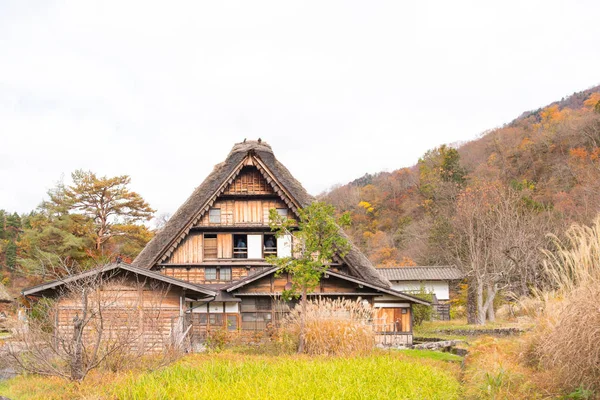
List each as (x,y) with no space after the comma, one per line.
(332,327)
(567,337)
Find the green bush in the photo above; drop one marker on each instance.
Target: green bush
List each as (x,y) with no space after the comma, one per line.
(420,312)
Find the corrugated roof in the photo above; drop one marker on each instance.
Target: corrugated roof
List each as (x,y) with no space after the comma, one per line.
(429,273)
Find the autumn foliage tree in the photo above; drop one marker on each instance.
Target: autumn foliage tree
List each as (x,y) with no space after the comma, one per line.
(109,202)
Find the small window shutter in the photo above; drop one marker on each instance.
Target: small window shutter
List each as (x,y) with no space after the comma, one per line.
(254,246)
(284,246)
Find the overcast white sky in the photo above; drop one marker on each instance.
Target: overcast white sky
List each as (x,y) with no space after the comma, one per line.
(162,90)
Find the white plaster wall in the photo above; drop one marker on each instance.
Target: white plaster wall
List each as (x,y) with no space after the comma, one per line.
(231,307)
(440,288)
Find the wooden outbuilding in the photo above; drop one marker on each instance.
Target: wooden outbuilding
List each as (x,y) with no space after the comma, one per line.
(440,281)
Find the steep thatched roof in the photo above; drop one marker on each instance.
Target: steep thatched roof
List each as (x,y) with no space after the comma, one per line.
(4,296)
(203,197)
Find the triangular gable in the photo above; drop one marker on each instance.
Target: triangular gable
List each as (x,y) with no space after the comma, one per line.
(223,175)
(250,160)
(276,174)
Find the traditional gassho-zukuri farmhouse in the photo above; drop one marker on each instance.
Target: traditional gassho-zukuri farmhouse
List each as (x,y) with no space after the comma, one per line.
(211,257)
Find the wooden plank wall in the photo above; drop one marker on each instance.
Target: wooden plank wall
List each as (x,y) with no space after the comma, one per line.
(250,211)
(189,250)
(196,274)
(333,284)
(224,245)
(386,319)
(249,181)
(144,316)
(277,284)
(243,212)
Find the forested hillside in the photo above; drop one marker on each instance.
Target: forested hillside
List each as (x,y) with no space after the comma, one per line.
(486,204)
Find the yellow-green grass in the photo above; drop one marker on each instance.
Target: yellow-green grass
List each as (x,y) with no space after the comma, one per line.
(433,355)
(383,375)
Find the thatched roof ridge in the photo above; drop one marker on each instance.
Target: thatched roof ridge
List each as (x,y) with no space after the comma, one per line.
(4,295)
(197,203)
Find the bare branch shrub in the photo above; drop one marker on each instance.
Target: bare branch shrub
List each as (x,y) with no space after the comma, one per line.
(105,320)
(332,327)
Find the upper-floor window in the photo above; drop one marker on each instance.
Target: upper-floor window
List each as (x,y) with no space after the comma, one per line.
(253,246)
(240,246)
(283,212)
(270,245)
(214,215)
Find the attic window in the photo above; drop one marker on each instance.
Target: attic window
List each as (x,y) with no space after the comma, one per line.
(283,212)
(214,215)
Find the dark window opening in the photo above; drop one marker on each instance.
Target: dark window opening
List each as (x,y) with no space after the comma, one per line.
(270,245)
(263,303)
(256,304)
(240,246)
(256,321)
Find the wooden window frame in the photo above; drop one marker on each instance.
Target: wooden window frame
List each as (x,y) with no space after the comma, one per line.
(272,251)
(239,250)
(211,216)
(220,273)
(234,250)
(216,278)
